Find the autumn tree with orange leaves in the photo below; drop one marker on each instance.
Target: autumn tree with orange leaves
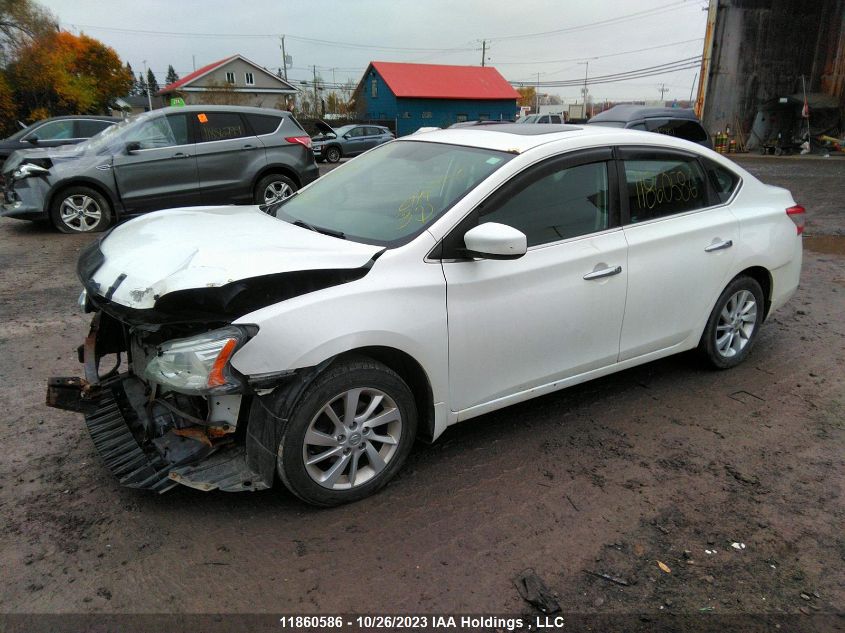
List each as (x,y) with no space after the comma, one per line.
(62,73)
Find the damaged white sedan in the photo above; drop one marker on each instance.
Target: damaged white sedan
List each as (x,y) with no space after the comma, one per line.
(433,279)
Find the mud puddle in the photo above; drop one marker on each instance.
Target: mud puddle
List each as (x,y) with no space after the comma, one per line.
(827,244)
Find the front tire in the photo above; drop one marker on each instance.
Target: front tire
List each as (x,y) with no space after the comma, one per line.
(349,435)
(81,209)
(734,324)
(333,154)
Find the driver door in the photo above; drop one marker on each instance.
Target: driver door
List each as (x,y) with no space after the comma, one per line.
(554,313)
(162,173)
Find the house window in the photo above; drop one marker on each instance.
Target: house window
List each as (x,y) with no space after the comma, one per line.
(426,115)
(483,117)
(374,88)
(249,79)
(406,115)
(230,78)
(461,118)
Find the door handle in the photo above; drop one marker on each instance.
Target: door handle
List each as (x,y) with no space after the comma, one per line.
(718,246)
(181,155)
(248,146)
(603,272)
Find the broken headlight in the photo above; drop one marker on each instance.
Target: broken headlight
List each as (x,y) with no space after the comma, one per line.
(27,170)
(200,364)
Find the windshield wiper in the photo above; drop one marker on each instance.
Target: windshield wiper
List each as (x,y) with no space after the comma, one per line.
(319,229)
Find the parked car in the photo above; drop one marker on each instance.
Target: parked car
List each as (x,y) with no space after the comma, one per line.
(679,122)
(436,278)
(183,156)
(541,118)
(349,140)
(55,131)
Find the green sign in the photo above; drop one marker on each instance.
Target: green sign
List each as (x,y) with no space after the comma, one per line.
(177,101)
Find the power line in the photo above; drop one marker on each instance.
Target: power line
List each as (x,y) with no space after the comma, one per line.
(591,25)
(637,73)
(581,59)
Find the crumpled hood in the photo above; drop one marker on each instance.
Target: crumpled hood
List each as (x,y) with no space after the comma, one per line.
(44,156)
(209,247)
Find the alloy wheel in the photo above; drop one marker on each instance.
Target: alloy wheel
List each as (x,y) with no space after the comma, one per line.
(277,190)
(737,321)
(81,212)
(352,438)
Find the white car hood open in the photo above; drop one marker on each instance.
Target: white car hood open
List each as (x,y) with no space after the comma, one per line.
(207,247)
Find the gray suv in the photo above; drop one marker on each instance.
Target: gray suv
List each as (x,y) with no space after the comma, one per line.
(347,141)
(679,122)
(173,157)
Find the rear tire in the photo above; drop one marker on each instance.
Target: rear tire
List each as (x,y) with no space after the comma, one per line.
(328,456)
(272,188)
(734,324)
(79,209)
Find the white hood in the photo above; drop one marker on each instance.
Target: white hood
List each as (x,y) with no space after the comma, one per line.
(205,247)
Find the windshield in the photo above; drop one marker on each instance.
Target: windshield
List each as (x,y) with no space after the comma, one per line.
(391,194)
(20,133)
(608,123)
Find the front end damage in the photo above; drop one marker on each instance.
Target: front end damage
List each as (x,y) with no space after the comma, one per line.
(150,437)
(161,401)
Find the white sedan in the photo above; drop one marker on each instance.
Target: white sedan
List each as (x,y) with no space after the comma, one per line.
(434,279)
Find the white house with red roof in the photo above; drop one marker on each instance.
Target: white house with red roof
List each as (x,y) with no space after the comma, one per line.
(234,80)
(433,95)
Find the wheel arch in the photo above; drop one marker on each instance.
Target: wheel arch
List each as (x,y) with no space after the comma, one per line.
(82,182)
(763,277)
(414,375)
(278,168)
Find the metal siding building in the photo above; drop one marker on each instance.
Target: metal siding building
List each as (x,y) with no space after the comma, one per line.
(430,95)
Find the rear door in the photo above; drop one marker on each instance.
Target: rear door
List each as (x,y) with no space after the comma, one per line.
(681,247)
(357,141)
(229,156)
(162,173)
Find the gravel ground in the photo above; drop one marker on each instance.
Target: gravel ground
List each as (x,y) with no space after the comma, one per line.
(664,462)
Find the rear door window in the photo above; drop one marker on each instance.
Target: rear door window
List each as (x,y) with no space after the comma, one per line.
(263,123)
(220,126)
(86,128)
(661,184)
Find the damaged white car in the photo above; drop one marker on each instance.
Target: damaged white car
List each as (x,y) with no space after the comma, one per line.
(433,279)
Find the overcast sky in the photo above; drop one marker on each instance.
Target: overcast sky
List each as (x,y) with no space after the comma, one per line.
(520,35)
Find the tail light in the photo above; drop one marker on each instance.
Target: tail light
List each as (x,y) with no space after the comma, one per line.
(797,215)
(305,141)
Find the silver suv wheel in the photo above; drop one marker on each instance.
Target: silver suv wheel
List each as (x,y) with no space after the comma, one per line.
(277,190)
(80,212)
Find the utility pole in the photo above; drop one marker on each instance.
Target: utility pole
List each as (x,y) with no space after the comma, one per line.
(537,94)
(147,84)
(662,91)
(586,73)
(284,59)
(483,51)
(692,87)
(316,96)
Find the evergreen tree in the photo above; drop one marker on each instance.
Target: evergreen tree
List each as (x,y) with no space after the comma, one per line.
(151,81)
(171,75)
(133,89)
(141,84)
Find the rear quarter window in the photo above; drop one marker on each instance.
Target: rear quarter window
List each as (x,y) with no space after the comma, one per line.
(263,123)
(723,180)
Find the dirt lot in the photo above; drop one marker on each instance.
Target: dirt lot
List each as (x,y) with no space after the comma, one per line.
(659,463)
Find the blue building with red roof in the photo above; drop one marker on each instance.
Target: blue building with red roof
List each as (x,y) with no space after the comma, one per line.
(433,95)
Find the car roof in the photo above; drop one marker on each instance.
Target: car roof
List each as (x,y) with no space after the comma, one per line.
(626,113)
(221,108)
(517,139)
(93,117)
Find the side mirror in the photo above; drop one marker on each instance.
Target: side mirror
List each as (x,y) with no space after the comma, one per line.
(495,241)
(132,147)
(32,138)
(346,136)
